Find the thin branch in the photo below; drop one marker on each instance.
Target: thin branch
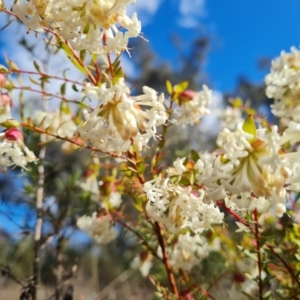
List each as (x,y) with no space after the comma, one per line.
(45,75)
(114,284)
(73,141)
(5,271)
(166,260)
(259,262)
(238,218)
(195,286)
(46,94)
(143,241)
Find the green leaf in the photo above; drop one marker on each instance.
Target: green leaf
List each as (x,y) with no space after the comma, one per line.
(73,60)
(74,87)
(10,22)
(86,28)
(10,123)
(3,69)
(63,89)
(12,65)
(181,87)
(117,75)
(82,54)
(37,67)
(169,87)
(194,155)
(33,81)
(250,127)
(192,179)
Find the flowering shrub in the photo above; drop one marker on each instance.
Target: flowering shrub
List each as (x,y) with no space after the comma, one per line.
(237,205)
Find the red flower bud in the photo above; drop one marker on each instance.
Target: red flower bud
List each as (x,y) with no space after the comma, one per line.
(14,134)
(186,96)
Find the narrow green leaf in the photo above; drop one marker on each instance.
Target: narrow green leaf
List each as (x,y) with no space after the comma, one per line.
(74,87)
(169,87)
(63,89)
(3,69)
(250,127)
(194,155)
(33,81)
(10,123)
(82,54)
(12,65)
(37,67)
(117,75)
(180,87)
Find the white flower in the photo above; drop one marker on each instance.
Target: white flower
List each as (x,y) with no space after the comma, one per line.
(179,168)
(143,262)
(5,107)
(100,228)
(208,176)
(291,134)
(56,122)
(188,251)
(114,201)
(85,24)
(193,107)
(252,164)
(230,117)
(283,84)
(179,207)
(119,119)
(13,151)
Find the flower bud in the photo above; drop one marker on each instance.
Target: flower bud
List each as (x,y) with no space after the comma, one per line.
(2,80)
(14,134)
(186,96)
(4,98)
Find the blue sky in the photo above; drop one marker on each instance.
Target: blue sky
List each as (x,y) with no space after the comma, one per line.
(242,32)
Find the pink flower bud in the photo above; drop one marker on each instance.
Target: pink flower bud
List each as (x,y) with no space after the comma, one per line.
(5,99)
(186,96)
(2,80)
(14,134)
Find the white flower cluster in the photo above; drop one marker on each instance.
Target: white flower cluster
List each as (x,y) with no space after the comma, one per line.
(119,120)
(189,250)
(91,185)
(56,122)
(143,262)
(283,84)
(13,151)
(193,106)
(179,207)
(100,228)
(230,117)
(92,25)
(249,172)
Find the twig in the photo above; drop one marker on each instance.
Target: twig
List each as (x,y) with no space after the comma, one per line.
(5,271)
(194,286)
(238,218)
(257,237)
(166,260)
(45,75)
(114,284)
(143,241)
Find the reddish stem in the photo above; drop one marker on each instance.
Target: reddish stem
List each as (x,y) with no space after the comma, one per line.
(238,218)
(257,237)
(110,67)
(166,260)
(45,75)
